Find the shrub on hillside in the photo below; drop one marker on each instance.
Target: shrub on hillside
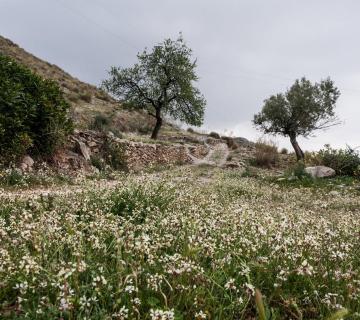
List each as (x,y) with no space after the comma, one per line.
(100,123)
(266,154)
(214,135)
(345,162)
(33,113)
(86,96)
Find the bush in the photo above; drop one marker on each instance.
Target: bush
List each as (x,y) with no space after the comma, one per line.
(266,154)
(298,172)
(101,123)
(115,155)
(214,135)
(136,203)
(345,162)
(87,97)
(284,151)
(33,113)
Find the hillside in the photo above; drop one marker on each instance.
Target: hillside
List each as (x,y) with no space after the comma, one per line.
(87,101)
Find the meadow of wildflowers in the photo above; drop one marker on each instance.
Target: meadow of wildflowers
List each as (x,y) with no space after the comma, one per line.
(181,244)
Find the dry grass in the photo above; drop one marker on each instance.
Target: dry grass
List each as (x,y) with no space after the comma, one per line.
(266,154)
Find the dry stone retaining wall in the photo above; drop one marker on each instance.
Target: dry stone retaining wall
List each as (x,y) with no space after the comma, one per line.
(133,155)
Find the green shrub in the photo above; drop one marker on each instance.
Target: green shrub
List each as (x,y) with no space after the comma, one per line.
(214,135)
(137,202)
(98,162)
(284,151)
(298,171)
(266,154)
(115,155)
(33,113)
(100,123)
(343,161)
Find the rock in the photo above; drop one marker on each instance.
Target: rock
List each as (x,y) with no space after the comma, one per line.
(243,142)
(292,178)
(85,151)
(26,163)
(320,171)
(92,144)
(334,193)
(232,165)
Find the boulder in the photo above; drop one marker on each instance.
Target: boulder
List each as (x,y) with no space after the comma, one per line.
(26,163)
(243,142)
(320,171)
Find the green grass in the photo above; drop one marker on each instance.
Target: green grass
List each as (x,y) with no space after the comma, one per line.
(320,183)
(169,246)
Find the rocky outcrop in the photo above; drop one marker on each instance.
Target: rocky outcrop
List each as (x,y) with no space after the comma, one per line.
(243,142)
(199,152)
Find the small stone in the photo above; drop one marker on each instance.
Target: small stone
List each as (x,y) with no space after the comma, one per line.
(26,163)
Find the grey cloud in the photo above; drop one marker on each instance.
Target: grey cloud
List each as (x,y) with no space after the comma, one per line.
(246,50)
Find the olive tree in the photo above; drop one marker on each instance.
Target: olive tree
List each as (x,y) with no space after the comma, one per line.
(161,82)
(301,110)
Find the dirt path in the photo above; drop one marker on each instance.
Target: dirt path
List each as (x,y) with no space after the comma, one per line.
(58,190)
(216,157)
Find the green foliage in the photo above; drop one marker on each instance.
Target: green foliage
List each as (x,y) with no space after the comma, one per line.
(304,108)
(298,171)
(98,162)
(249,173)
(33,113)
(214,135)
(172,247)
(100,123)
(137,202)
(161,83)
(297,177)
(116,157)
(14,178)
(343,161)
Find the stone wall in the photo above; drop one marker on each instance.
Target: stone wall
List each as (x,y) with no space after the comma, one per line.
(139,155)
(127,154)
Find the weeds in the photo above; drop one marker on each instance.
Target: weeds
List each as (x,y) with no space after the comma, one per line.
(168,246)
(266,154)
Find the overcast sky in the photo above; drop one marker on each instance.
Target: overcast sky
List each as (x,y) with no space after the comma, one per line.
(246,49)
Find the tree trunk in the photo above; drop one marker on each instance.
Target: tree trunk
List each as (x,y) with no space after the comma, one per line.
(157,127)
(299,153)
